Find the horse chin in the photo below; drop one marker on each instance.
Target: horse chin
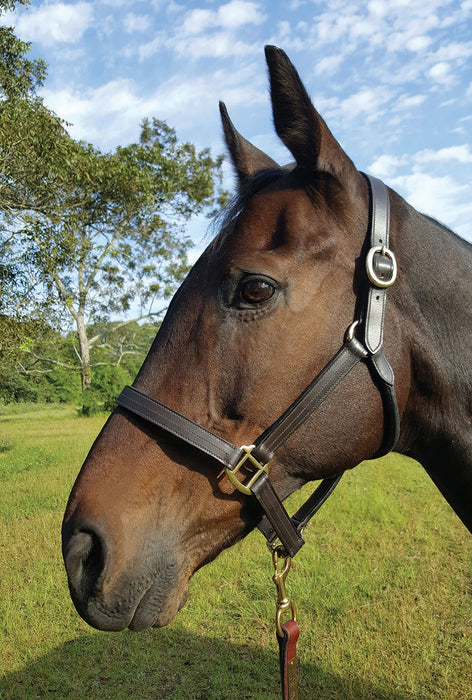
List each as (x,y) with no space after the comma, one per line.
(153,612)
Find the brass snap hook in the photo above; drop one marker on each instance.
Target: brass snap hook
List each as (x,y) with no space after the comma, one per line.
(282,566)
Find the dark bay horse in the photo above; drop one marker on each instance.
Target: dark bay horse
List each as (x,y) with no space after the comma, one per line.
(263,310)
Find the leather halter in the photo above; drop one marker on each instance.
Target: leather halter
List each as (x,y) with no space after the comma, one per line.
(276,524)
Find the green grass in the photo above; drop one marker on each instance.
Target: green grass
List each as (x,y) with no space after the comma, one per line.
(382,587)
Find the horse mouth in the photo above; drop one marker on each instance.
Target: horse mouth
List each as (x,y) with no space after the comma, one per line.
(157,607)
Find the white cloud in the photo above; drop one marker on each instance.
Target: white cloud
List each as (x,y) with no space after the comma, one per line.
(441,73)
(385,166)
(220,45)
(111,114)
(239,12)
(230,16)
(284,30)
(368,101)
(148,49)
(461,154)
(409,101)
(100,116)
(206,33)
(198,20)
(442,197)
(55,23)
(329,64)
(453,51)
(115,3)
(418,43)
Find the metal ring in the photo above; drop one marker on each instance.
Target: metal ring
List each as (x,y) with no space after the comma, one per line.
(350,333)
(369,266)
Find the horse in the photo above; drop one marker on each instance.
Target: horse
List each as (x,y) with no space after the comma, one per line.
(263,311)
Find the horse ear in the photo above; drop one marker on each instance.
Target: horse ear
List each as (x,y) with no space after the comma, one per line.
(298,123)
(247,159)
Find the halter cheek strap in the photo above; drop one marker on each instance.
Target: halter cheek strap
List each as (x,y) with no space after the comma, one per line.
(276,524)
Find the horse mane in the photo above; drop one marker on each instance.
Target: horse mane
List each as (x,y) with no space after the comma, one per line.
(460,239)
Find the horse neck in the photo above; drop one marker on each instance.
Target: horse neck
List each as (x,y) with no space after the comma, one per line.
(436,310)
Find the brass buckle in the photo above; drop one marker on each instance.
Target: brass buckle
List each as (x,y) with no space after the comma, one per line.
(369,264)
(247,457)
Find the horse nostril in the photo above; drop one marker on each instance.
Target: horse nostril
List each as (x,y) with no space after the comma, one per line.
(85,557)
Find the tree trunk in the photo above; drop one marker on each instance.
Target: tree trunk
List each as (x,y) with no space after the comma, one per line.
(84,352)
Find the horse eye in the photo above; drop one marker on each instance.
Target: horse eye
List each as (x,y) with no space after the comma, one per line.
(256,291)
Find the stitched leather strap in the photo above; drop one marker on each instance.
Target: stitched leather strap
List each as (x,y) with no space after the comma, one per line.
(279,524)
(379,238)
(178,425)
(302,517)
(288,659)
(320,388)
(276,522)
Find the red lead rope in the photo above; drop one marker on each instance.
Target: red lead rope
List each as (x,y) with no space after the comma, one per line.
(288,659)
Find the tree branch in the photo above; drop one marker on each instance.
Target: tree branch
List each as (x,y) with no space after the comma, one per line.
(48,359)
(120,324)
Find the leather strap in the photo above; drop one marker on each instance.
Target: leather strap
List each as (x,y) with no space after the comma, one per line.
(288,659)
(276,520)
(178,425)
(304,514)
(379,238)
(309,400)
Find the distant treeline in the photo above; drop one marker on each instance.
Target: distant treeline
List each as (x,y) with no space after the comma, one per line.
(41,365)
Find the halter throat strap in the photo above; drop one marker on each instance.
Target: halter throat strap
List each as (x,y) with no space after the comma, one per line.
(276,524)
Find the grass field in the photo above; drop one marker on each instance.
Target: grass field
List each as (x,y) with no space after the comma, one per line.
(383,589)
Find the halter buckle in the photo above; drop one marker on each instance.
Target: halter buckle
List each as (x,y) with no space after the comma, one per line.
(388,274)
(247,457)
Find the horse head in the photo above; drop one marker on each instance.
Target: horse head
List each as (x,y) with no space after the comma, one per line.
(260,314)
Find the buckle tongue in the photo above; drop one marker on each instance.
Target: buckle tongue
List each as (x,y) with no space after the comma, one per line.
(247,457)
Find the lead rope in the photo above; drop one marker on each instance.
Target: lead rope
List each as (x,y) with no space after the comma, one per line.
(287,632)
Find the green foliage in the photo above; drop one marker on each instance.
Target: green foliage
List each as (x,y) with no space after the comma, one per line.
(35,160)
(108,234)
(19,76)
(107,383)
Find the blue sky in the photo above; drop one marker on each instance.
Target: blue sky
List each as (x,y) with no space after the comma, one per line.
(393,79)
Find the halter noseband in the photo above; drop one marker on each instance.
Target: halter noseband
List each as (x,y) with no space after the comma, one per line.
(276,524)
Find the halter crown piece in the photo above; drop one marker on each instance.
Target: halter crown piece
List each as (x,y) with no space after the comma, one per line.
(283,532)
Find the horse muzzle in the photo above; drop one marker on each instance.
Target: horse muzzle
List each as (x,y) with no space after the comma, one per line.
(148,592)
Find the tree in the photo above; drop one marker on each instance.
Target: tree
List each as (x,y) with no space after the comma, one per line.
(32,142)
(84,235)
(36,362)
(110,234)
